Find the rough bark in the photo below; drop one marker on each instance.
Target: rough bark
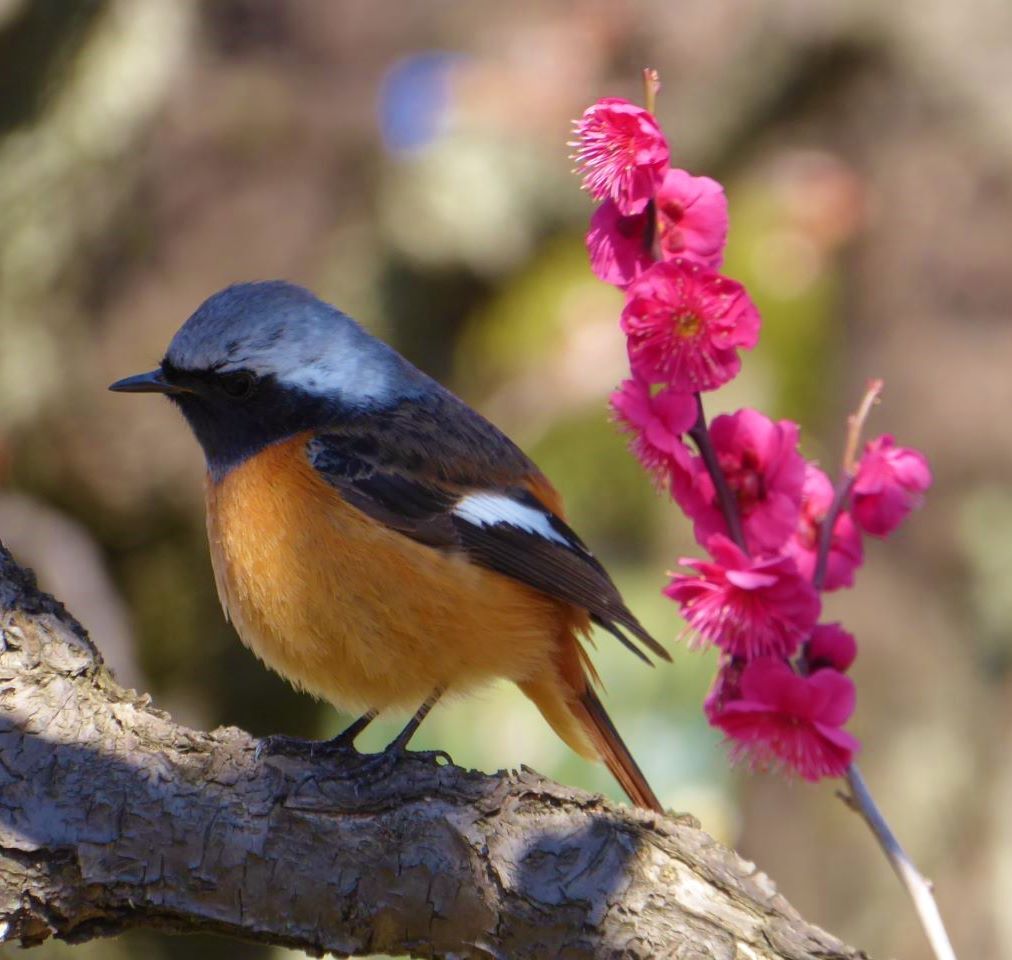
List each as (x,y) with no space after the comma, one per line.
(112,816)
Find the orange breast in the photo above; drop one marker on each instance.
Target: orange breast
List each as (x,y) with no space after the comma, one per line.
(354,612)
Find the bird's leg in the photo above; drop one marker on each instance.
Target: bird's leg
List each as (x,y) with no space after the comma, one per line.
(381,764)
(400,743)
(341,745)
(345,740)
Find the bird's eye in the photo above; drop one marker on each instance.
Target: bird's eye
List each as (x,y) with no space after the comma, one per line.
(239,385)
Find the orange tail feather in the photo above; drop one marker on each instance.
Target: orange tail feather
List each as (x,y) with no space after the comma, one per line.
(569,704)
(601,731)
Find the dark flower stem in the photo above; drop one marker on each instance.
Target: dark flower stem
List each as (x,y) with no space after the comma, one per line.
(725,498)
(855,424)
(840,498)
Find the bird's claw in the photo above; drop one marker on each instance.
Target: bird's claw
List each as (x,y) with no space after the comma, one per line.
(429,756)
(378,766)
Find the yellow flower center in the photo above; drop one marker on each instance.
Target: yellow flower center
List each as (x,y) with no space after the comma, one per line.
(687,324)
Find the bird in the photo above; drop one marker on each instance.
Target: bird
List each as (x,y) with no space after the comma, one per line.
(374,539)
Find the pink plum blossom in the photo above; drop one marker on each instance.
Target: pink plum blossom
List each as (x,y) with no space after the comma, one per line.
(890,482)
(656,422)
(692,219)
(783,718)
(760,460)
(830,646)
(689,220)
(747,607)
(619,247)
(621,153)
(684,326)
(726,687)
(846,552)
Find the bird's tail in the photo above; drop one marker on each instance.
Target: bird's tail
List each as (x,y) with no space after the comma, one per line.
(616,756)
(576,714)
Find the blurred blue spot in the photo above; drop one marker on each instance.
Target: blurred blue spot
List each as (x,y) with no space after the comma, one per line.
(414,99)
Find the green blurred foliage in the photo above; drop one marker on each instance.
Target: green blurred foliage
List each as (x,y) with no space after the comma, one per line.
(800,342)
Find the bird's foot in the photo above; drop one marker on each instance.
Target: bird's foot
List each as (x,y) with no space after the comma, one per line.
(379,766)
(340,747)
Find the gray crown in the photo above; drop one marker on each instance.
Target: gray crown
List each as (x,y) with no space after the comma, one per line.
(280,329)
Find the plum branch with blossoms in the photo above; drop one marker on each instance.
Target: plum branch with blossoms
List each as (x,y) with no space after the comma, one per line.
(778,532)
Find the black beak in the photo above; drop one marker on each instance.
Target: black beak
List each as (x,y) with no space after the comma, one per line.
(152,382)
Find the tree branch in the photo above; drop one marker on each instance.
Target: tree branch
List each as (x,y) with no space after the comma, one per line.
(112,816)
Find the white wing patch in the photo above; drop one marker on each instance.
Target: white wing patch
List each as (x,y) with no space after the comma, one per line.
(490,509)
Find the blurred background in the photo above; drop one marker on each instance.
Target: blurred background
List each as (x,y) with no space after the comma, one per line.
(409,163)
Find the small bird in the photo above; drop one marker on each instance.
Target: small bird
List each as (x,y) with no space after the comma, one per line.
(375,540)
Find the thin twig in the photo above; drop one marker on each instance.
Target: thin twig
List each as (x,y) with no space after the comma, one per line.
(916,883)
(860,799)
(725,498)
(651,87)
(855,424)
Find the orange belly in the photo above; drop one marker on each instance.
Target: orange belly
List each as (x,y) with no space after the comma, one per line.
(356,613)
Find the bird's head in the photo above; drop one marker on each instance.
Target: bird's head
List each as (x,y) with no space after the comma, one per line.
(259,362)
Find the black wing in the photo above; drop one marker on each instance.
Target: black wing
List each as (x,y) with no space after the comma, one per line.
(427,475)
